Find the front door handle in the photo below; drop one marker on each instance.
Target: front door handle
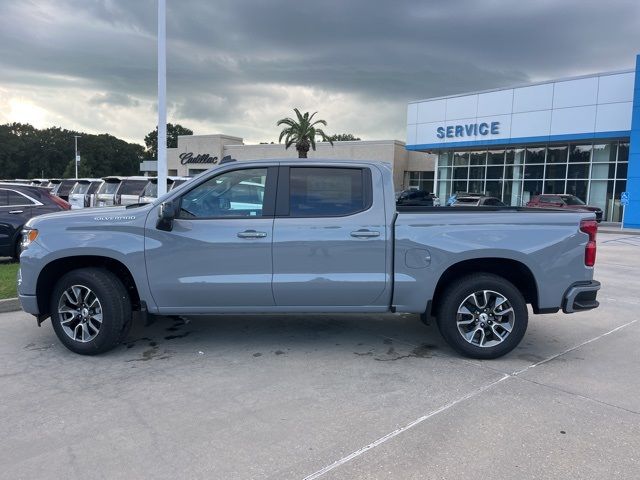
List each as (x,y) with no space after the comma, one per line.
(16,211)
(251,234)
(365,233)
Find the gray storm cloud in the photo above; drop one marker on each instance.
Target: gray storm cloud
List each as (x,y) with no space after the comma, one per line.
(239,66)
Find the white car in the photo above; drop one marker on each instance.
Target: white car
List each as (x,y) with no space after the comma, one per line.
(83,194)
(107,191)
(150,192)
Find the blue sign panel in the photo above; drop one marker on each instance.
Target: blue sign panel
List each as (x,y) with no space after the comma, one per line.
(624,199)
(468,130)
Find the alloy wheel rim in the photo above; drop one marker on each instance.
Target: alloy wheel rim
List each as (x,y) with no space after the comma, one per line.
(485,318)
(80,313)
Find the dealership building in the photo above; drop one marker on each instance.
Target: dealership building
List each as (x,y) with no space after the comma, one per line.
(578,136)
(197,153)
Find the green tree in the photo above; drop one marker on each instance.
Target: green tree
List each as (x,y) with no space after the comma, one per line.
(343,137)
(302,132)
(173,131)
(26,152)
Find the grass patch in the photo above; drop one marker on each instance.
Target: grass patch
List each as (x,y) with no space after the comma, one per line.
(8,272)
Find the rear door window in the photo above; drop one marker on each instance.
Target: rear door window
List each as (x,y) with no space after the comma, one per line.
(327,192)
(132,187)
(17,199)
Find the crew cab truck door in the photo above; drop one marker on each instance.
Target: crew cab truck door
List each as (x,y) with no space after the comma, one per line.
(218,252)
(329,238)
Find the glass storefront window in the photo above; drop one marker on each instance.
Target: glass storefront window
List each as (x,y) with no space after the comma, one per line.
(580,153)
(534,155)
(460,159)
(557,154)
(511,195)
(530,189)
(495,157)
(478,158)
(514,172)
(476,172)
(623,152)
(603,170)
(444,159)
(459,187)
(444,173)
(622,170)
(460,172)
(601,195)
(578,188)
(476,186)
(604,152)
(579,170)
(514,156)
(494,189)
(554,186)
(532,172)
(495,172)
(556,171)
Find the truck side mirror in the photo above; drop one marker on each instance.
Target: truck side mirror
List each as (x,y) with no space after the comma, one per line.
(166,215)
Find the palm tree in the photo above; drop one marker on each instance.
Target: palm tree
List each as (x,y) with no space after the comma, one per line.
(302,132)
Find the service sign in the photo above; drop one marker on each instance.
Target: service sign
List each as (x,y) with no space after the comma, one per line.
(468,130)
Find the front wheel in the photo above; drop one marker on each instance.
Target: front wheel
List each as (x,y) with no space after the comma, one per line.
(483,316)
(90,310)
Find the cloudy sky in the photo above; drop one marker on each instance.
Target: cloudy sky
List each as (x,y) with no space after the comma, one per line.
(237,66)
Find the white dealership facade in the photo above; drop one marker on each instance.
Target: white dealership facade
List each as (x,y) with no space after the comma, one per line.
(569,136)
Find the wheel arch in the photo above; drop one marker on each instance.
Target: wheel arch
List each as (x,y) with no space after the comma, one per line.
(56,268)
(512,270)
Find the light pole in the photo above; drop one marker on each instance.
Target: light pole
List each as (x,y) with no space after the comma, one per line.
(162,97)
(75,137)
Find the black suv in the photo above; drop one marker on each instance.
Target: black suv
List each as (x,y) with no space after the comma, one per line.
(417,198)
(18,203)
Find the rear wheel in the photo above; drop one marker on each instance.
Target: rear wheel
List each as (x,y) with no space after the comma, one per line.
(90,310)
(483,316)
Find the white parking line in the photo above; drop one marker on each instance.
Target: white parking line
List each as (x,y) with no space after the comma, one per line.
(449,405)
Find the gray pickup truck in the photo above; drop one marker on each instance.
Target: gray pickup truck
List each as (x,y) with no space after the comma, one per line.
(286,236)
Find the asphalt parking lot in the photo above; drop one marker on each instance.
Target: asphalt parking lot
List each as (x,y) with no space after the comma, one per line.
(331,397)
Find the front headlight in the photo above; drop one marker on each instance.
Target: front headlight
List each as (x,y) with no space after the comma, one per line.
(28,236)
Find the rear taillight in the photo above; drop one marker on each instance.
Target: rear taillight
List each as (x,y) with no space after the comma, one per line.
(590,227)
(60,202)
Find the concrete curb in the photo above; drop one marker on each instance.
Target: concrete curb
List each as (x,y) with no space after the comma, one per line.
(10,305)
(613,231)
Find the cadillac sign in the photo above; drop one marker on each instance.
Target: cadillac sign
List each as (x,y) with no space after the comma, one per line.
(189,158)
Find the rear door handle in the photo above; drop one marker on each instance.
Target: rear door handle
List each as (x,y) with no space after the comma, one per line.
(16,211)
(365,233)
(251,234)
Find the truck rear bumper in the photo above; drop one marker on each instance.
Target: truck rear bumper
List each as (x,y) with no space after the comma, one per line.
(581,296)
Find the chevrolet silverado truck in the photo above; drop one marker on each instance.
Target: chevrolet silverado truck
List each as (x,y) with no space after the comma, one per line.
(285,236)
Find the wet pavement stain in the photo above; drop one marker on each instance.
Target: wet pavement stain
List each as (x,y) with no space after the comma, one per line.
(423,351)
(151,354)
(387,341)
(257,354)
(132,343)
(32,347)
(279,352)
(172,337)
(363,354)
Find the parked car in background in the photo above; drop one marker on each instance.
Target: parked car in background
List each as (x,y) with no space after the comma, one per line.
(130,190)
(84,192)
(64,188)
(564,201)
(40,182)
(414,197)
(19,203)
(476,200)
(107,191)
(150,192)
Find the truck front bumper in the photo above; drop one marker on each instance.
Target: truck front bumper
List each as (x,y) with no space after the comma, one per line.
(581,296)
(29,304)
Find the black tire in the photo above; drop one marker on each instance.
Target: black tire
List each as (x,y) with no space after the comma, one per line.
(454,297)
(115,308)
(17,249)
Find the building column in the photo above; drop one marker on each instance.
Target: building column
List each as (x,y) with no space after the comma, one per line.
(632,211)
